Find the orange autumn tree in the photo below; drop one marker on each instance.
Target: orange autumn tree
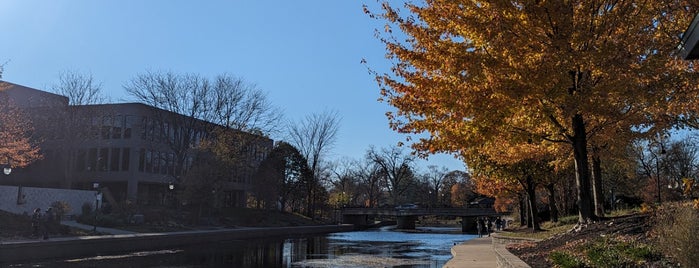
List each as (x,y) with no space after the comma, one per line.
(470,73)
(16,145)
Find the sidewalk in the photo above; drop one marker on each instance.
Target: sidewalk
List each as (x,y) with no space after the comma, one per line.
(102,230)
(474,253)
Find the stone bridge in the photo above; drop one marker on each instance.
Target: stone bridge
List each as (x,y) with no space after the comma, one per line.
(405,218)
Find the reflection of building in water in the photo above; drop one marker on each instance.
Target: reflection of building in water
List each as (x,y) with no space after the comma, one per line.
(128,148)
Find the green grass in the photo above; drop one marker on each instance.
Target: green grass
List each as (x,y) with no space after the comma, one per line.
(565,260)
(549,229)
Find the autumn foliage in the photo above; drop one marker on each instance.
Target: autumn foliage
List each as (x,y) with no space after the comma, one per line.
(16,145)
(511,80)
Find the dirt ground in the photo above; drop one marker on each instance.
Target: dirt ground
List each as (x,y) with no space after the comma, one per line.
(633,227)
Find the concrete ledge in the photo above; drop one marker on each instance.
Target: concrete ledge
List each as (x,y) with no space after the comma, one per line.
(503,257)
(70,247)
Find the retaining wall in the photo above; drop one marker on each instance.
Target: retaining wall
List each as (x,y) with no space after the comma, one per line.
(73,247)
(503,257)
(17,201)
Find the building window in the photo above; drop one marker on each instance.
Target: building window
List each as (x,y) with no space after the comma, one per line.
(125,159)
(114,160)
(149,162)
(92,159)
(141,159)
(80,159)
(103,159)
(105,132)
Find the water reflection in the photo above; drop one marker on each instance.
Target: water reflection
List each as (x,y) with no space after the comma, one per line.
(377,248)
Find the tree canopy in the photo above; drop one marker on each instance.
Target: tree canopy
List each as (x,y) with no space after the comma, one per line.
(490,77)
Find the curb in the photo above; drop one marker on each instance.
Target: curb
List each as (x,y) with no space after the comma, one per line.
(503,257)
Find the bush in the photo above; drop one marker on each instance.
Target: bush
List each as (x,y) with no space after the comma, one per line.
(676,229)
(60,208)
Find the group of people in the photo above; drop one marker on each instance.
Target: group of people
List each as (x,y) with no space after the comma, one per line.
(485,225)
(42,223)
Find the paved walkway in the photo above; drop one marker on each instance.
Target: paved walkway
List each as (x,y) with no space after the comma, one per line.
(474,253)
(102,230)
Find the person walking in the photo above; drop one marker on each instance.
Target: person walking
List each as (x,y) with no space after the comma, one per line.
(480,225)
(36,218)
(489,226)
(47,221)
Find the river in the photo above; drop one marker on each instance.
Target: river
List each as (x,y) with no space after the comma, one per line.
(426,247)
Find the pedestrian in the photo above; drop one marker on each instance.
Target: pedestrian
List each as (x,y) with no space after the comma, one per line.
(498,224)
(47,222)
(36,218)
(480,225)
(489,226)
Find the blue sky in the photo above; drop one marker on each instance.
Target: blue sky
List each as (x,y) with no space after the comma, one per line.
(305,54)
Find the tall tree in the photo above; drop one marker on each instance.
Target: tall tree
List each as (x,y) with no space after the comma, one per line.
(559,72)
(314,137)
(281,176)
(396,168)
(81,90)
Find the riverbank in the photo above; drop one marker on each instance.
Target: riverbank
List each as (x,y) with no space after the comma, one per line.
(78,246)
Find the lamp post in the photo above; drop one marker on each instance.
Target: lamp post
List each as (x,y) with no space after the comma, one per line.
(8,167)
(657,164)
(98,196)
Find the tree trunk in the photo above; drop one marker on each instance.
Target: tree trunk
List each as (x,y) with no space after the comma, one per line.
(597,193)
(552,202)
(533,210)
(522,211)
(582,171)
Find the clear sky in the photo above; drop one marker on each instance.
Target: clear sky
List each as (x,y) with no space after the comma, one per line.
(305,54)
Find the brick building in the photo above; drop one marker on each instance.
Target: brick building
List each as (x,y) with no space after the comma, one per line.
(128,148)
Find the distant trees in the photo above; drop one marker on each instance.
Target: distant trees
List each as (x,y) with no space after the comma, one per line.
(281,178)
(396,171)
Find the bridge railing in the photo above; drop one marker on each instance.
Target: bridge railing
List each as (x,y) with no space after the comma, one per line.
(421,211)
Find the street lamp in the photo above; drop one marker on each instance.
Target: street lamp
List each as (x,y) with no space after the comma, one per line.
(8,168)
(98,196)
(660,143)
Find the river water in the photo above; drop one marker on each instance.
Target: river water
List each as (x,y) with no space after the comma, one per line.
(427,247)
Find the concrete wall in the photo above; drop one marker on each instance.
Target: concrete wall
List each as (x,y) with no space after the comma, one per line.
(503,257)
(73,247)
(42,198)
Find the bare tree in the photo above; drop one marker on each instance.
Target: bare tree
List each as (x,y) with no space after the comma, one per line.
(396,168)
(436,177)
(241,105)
(179,102)
(314,137)
(81,89)
(189,109)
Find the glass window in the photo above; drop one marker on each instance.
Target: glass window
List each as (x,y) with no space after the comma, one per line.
(125,159)
(156,162)
(92,159)
(141,159)
(149,162)
(114,160)
(80,159)
(105,132)
(103,159)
